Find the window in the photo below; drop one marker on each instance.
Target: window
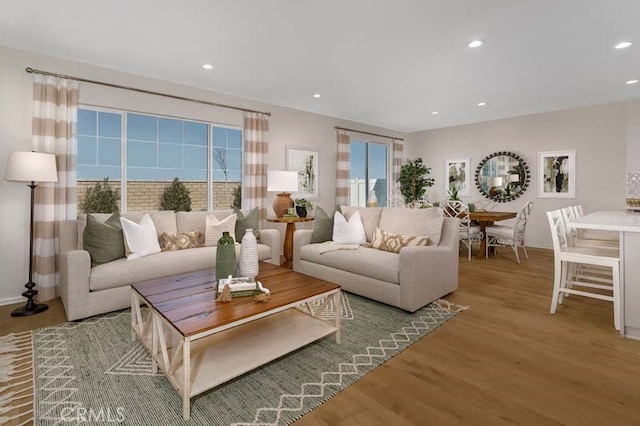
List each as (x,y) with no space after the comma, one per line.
(368,172)
(148,152)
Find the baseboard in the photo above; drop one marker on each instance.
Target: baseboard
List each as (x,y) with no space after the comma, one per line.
(11,300)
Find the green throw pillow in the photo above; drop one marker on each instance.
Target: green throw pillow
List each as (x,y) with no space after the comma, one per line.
(322,226)
(103,241)
(250,221)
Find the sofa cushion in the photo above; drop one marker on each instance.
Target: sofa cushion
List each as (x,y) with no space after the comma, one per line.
(370,217)
(388,241)
(348,231)
(170,242)
(123,272)
(142,238)
(192,221)
(248,221)
(369,262)
(413,222)
(322,226)
(215,228)
(103,241)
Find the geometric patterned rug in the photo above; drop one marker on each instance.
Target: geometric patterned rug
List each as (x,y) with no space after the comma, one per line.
(91,372)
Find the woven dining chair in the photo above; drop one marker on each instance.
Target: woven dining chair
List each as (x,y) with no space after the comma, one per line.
(510,236)
(469,234)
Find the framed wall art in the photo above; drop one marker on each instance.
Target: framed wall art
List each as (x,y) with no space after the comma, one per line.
(557,174)
(305,162)
(457,175)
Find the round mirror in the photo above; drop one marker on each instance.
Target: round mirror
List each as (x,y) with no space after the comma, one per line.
(502,176)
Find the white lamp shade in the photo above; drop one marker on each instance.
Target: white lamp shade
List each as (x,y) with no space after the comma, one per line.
(514,178)
(282,181)
(25,166)
(494,181)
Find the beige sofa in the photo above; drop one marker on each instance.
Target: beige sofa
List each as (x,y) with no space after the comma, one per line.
(87,291)
(408,280)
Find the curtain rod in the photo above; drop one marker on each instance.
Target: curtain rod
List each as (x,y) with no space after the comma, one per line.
(368,133)
(148,92)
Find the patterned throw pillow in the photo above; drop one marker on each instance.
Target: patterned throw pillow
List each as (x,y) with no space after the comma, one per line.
(170,242)
(388,241)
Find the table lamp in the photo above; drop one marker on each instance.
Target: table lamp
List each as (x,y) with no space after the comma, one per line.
(30,167)
(494,184)
(284,183)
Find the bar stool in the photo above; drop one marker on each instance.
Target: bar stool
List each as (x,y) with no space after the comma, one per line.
(567,258)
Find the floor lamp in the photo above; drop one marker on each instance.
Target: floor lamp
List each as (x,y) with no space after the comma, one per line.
(31,167)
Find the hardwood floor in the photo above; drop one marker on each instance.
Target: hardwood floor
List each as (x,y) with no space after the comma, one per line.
(505,361)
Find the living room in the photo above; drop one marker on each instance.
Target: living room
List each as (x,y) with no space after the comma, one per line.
(602,128)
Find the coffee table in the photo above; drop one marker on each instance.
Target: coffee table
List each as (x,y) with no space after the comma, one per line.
(199,343)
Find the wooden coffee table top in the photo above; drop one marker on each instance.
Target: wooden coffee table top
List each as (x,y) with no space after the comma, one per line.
(187,301)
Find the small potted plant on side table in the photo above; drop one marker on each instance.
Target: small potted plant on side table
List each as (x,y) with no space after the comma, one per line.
(302,207)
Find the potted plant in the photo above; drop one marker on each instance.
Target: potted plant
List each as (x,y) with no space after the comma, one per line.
(303,206)
(414,181)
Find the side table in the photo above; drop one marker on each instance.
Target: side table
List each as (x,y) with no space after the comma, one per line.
(288,236)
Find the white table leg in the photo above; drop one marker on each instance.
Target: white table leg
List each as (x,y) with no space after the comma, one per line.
(186,388)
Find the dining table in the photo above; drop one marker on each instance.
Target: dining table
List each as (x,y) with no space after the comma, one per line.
(486,218)
(627,224)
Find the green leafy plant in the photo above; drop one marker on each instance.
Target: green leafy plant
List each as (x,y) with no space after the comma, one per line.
(453,193)
(101,198)
(176,197)
(237,197)
(413,180)
(301,202)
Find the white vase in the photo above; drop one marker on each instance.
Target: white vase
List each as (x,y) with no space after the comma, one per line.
(249,255)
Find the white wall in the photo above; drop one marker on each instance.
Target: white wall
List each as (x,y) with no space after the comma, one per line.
(598,134)
(287,127)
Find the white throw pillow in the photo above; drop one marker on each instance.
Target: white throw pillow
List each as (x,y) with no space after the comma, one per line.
(215,228)
(348,232)
(141,238)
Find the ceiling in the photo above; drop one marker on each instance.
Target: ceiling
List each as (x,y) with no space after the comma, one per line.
(388,63)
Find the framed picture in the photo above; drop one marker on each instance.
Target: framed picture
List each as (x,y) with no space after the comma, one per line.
(457,175)
(305,162)
(557,174)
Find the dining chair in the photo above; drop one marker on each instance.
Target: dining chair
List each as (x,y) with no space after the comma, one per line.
(510,236)
(567,275)
(469,234)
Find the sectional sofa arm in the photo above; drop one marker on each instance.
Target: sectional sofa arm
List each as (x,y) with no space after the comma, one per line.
(75,269)
(271,238)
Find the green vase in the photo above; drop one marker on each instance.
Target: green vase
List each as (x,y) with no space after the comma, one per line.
(226,257)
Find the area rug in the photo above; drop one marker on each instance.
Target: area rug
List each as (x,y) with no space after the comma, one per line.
(91,372)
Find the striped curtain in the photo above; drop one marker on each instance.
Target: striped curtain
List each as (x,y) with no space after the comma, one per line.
(55,117)
(256,148)
(397,159)
(342,169)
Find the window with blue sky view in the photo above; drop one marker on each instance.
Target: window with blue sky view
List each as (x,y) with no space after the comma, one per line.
(368,172)
(157,148)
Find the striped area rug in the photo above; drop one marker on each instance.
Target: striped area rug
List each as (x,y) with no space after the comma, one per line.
(91,372)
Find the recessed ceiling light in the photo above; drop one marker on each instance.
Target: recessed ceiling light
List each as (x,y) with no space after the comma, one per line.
(632,81)
(317,95)
(207,67)
(482,103)
(623,45)
(475,43)
(435,112)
